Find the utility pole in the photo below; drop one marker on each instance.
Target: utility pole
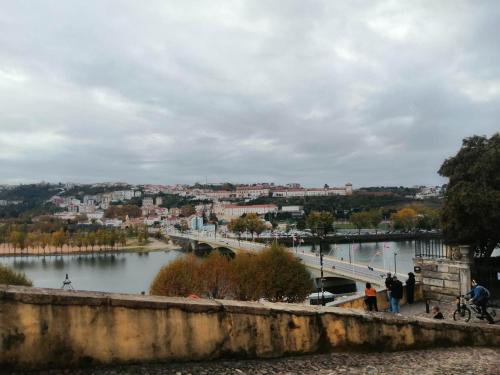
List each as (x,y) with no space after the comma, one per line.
(321,268)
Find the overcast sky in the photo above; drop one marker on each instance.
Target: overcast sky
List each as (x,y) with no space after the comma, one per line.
(368,92)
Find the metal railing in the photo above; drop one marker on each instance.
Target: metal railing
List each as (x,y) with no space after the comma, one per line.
(430,249)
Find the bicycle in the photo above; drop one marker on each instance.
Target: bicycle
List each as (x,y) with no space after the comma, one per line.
(464,309)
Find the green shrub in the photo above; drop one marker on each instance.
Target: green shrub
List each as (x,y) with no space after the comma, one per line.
(11,277)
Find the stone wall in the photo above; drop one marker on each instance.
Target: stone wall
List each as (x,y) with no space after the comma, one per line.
(44,328)
(358,302)
(444,279)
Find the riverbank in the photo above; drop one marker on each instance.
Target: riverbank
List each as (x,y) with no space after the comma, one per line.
(132,246)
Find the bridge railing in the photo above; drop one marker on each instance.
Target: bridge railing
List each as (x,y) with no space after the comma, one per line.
(356,271)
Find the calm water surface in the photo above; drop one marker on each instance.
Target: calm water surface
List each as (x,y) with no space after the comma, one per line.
(134,272)
(122,273)
(374,254)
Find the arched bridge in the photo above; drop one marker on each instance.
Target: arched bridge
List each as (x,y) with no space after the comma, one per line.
(201,244)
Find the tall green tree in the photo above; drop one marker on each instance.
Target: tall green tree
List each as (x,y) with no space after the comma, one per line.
(361,220)
(254,224)
(237,225)
(320,222)
(471,211)
(375,219)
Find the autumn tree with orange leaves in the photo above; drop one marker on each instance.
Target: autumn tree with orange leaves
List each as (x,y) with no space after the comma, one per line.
(274,274)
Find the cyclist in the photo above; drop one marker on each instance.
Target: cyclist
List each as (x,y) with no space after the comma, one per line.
(479,297)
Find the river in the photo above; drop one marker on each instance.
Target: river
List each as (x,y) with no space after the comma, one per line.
(133,272)
(374,254)
(130,272)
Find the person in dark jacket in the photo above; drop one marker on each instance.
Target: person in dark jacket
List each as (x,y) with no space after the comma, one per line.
(480,297)
(410,288)
(396,294)
(388,285)
(436,314)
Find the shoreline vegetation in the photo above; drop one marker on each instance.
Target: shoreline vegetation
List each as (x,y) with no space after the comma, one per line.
(49,236)
(132,246)
(273,273)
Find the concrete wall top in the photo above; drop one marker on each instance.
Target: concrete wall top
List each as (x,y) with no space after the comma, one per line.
(58,297)
(46,296)
(46,328)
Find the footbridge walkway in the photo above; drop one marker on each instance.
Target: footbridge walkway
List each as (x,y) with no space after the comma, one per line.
(331,266)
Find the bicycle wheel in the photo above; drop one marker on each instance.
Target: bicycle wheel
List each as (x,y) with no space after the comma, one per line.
(462,314)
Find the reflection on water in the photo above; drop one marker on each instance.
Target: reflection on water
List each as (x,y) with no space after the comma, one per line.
(134,272)
(374,254)
(123,273)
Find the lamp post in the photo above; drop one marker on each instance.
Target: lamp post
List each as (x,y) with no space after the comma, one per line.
(395,255)
(320,234)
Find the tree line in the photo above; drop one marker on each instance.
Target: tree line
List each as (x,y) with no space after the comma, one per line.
(273,274)
(247,223)
(20,237)
(344,206)
(322,222)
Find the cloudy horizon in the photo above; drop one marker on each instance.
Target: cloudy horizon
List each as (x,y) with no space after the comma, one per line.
(368,92)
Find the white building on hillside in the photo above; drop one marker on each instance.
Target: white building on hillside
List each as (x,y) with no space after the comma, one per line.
(252,192)
(148,202)
(232,210)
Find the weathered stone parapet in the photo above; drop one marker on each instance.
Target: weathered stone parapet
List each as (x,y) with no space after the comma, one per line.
(459,253)
(43,328)
(444,279)
(358,302)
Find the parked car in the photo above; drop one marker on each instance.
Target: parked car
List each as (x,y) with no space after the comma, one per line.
(316,298)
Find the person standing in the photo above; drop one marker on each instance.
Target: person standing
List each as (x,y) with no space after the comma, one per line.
(388,285)
(396,294)
(410,288)
(371,297)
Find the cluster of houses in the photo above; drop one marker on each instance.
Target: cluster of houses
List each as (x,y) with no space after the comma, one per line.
(5,202)
(225,201)
(224,204)
(93,203)
(426,192)
(250,192)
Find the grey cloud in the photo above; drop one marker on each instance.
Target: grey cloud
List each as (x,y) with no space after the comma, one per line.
(318,92)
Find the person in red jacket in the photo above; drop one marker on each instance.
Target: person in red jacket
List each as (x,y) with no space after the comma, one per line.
(371,297)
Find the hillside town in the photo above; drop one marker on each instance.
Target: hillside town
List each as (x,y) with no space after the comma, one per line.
(213,201)
(196,207)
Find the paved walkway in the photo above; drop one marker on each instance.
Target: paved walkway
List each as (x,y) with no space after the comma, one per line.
(447,309)
(450,361)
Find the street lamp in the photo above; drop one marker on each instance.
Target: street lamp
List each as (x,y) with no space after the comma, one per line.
(350,243)
(395,255)
(320,233)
